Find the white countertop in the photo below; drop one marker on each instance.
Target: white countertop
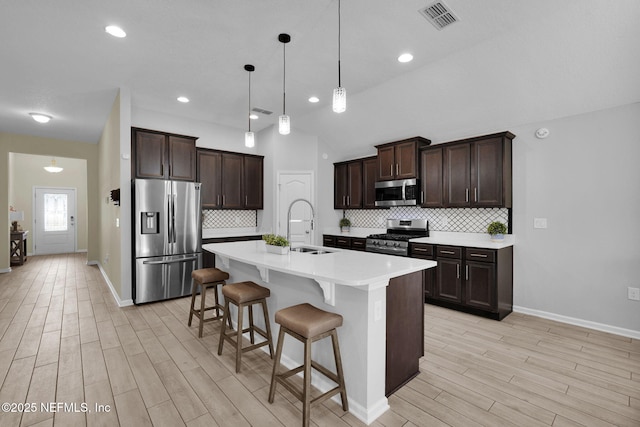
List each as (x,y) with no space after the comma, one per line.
(342,267)
(473,240)
(214,233)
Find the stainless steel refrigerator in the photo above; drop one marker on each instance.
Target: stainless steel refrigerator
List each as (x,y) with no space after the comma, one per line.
(168,238)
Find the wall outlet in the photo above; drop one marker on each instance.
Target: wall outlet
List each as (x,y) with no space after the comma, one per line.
(633,293)
(539,222)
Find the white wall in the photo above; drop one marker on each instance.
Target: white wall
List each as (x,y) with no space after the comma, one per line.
(585,180)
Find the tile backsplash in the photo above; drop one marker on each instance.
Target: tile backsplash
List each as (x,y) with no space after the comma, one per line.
(228,218)
(467,220)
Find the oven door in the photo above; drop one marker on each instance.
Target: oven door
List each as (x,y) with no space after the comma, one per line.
(386,248)
(397,193)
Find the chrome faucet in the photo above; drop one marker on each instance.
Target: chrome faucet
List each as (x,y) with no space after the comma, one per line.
(313,215)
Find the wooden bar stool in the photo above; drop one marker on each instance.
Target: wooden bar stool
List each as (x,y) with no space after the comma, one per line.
(245,294)
(206,278)
(308,324)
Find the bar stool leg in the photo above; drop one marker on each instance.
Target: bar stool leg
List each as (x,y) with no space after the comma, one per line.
(268,326)
(251,334)
(223,328)
(306,392)
(239,337)
(203,293)
(339,372)
(276,365)
(194,285)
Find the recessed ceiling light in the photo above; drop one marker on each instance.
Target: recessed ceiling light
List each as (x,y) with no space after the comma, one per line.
(183,99)
(115,31)
(314,99)
(40,118)
(405,57)
(253,116)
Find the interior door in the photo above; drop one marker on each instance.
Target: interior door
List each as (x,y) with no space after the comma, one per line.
(54,220)
(291,187)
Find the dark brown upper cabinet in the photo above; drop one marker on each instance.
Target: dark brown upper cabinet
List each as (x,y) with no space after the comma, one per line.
(399,160)
(162,155)
(230,180)
(431,191)
(369,178)
(477,171)
(348,185)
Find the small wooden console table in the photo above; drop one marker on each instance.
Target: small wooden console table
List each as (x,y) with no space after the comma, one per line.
(18,247)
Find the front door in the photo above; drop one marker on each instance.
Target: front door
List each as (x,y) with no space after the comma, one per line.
(54,220)
(293,186)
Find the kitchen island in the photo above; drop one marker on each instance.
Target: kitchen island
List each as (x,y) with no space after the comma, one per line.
(357,285)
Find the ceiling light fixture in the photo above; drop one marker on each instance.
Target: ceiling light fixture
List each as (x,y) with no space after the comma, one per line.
(40,118)
(115,31)
(253,116)
(53,168)
(405,57)
(339,93)
(314,99)
(284,122)
(183,99)
(249,137)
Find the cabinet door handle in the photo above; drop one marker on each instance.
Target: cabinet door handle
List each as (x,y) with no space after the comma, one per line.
(223,198)
(447,252)
(162,170)
(397,169)
(420,249)
(466,273)
(457,271)
(391,170)
(478,255)
(246,200)
(348,200)
(466,195)
(421,197)
(475,194)
(218,200)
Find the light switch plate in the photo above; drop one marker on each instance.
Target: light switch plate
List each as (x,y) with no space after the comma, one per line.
(633,293)
(539,222)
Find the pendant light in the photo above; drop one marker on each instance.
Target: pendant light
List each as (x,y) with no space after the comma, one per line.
(249,137)
(339,93)
(284,122)
(53,168)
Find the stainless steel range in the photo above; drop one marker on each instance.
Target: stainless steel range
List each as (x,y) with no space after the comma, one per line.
(396,240)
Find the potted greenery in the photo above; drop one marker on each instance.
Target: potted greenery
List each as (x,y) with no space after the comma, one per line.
(345,225)
(276,244)
(497,231)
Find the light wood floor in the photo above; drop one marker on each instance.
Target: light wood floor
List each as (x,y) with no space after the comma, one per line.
(63,339)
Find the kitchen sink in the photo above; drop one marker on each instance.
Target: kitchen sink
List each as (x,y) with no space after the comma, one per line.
(311,251)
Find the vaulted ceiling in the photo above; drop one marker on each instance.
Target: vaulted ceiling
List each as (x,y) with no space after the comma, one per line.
(505,62)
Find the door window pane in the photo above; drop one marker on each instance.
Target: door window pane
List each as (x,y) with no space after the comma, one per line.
(55,212)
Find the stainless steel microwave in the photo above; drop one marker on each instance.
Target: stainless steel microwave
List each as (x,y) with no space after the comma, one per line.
(403,192)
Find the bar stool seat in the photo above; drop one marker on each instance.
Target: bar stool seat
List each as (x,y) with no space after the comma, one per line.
(245,294)
(308,324)
(206,278)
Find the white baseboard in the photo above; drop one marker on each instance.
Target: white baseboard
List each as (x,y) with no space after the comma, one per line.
(578,322)
(121,303)
(81,251)
(5,270)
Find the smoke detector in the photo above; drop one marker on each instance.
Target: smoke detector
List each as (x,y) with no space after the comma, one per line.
(262,111)
(439,15)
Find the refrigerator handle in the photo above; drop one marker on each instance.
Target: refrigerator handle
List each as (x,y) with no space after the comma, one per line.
(173,217)
(169,221)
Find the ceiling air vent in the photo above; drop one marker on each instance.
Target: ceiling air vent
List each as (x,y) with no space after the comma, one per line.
(439,15)
(261,111)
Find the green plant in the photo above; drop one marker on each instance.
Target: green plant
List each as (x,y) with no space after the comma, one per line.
(345,222)
(496,227)
(275,240)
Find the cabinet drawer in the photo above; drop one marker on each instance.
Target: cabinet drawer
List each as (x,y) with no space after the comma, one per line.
(449,252)
(328,241)
(358,244)
(421,250)
(343,242)
(483,255)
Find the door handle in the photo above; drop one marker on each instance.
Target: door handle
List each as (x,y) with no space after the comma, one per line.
(397,169)
(391,170)
(457,271)
(466,273)
(169,262)
(466,194)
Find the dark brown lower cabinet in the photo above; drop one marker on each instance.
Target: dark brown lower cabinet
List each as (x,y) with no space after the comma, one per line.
(425,251)
(405,330)
(475,280)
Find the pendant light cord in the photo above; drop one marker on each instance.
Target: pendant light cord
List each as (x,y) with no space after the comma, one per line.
(339,37)
(249,115)
(284,78)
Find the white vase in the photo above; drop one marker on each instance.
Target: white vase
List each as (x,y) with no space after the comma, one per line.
(497,237)
(280,250)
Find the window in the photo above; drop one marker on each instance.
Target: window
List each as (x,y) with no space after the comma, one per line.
(55,212)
